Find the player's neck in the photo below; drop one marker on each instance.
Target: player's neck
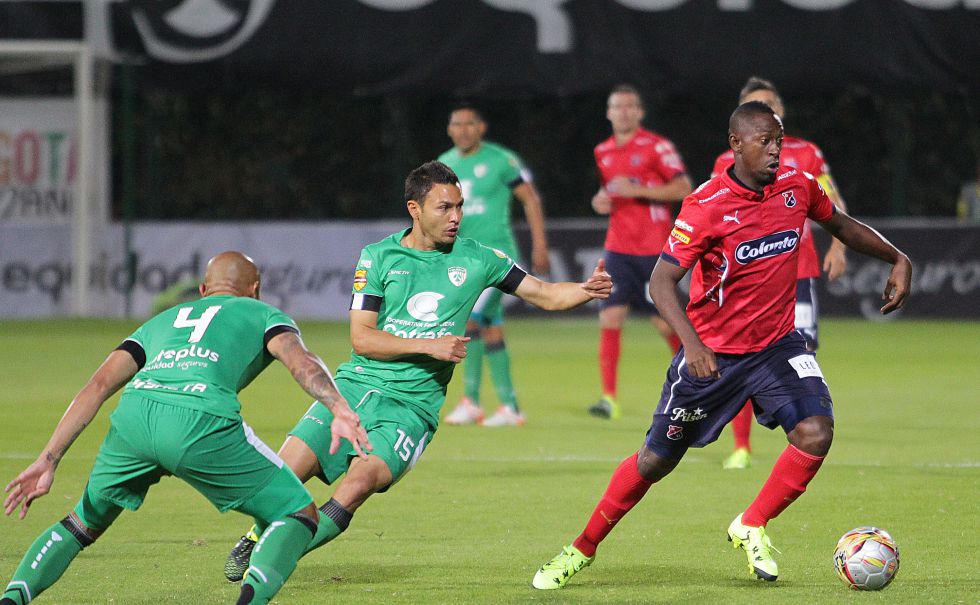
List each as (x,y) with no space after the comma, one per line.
(625,136)
(471,150)
(745,180)
(417,240)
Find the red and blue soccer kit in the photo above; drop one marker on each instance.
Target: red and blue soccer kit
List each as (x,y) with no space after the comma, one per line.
(802,155)
(742,246)
(638,227)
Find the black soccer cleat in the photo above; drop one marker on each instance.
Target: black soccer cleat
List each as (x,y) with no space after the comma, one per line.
(237,562)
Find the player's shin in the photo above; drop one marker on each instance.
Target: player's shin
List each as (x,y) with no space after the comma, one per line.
(473,366)
(334,519)
(498,359)
(788,480)
(626,488)
(46,560)
(274,558)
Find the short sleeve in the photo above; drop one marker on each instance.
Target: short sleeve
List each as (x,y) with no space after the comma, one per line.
(513,173)
(690,236)
(821,208)
(277,322)
(497,264)
(667,160)
(367,275)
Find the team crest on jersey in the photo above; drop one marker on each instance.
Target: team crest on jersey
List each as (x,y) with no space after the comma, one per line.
(499,253)
(480,171)
(360,279)
(789,198)
(675,432)
(457,275)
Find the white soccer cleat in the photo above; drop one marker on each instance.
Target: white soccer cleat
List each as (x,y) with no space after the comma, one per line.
(466,412)
(505,416)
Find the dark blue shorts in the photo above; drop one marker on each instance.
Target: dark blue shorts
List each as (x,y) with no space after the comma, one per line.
(631,281)
(806,311)
(783,381)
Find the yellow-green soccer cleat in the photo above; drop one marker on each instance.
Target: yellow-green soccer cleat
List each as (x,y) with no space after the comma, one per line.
(605,408)
(739,459)
(558,571)
(237,562)
(756,544)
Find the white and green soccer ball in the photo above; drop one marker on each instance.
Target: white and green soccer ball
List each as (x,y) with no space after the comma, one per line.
(866,558)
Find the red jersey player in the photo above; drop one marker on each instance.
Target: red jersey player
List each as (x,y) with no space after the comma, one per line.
(740,233)
(806,156)
(641,174)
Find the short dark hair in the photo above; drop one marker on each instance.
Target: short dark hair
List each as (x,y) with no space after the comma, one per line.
(627,89)
(756,83)
(420,181)
(467,105)
(746,111)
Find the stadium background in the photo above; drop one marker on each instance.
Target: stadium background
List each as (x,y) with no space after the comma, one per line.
(233,111)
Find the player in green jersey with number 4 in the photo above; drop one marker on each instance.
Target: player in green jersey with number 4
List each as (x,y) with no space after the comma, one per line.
(491,176)
(180,415)
(413,292)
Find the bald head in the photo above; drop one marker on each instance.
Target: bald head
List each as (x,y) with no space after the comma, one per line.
(747,116)
(231,273)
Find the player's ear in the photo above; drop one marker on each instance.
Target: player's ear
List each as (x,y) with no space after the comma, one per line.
(202,288)
(734,142)
(414,209)
(254,290)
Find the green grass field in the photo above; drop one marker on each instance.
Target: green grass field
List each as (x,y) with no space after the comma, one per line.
(485,507)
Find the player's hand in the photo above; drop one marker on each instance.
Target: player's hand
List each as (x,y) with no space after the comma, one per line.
(835,262)
(898,287)
(601,202)
(34,482)
(623,186)
(346,424)
(599,284)
(448,348)
(701,361)
(540,262)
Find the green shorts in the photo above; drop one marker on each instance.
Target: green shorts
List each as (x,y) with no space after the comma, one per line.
(489,308)
(399,435)
(219,457)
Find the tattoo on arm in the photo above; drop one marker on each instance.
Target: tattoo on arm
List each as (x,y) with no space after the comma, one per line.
(310,375)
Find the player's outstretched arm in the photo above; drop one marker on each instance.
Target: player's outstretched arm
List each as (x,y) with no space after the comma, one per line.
(561,296)
(36,480)
(835,261)
(700,359)
(858,236)
(369,341)
(312,374)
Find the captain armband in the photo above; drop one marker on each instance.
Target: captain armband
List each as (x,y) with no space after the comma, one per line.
(365,302)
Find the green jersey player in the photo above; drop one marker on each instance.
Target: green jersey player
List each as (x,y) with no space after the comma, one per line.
(412,294)
(179,415)
(491,176)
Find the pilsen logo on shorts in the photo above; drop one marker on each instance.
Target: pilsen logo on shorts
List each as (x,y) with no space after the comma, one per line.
(675,432)
(764,247)
(360,279)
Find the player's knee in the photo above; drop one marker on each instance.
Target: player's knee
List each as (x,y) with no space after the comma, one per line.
(653,467)
(814,435)
(85,535)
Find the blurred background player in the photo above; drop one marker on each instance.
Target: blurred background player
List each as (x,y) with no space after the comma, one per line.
(739,339)
(180,415)
(641,174)
(968,204)
(805,156)
(491,176)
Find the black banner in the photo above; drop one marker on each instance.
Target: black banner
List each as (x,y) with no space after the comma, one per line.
(508,47)
(945,258)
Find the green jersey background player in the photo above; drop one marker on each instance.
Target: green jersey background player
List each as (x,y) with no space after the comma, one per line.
(180,415)
(412,295)
(491,177)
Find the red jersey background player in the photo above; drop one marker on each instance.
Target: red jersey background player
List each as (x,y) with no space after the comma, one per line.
(803,155)
(641,174)
(740,234)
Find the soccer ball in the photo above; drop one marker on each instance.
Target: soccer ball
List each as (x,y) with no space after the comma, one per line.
(866,558)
